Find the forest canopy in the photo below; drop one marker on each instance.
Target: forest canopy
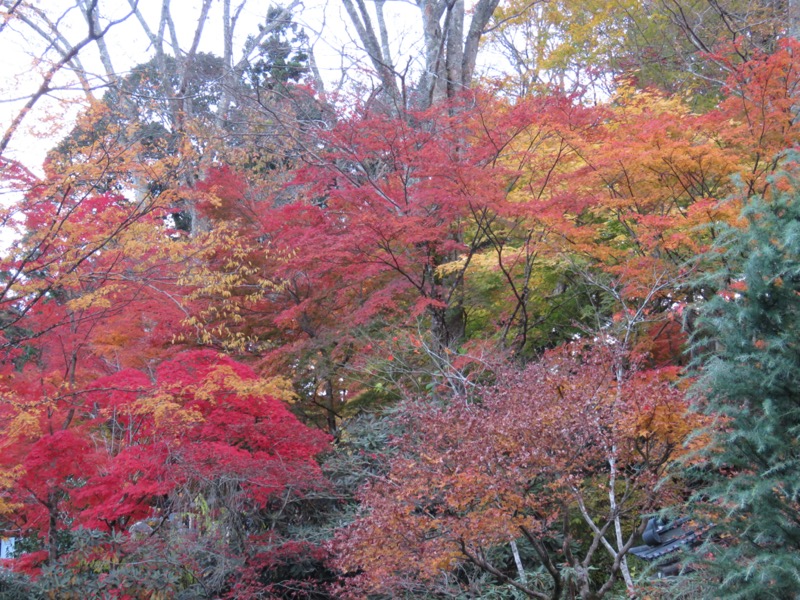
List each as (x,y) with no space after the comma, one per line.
(431,299)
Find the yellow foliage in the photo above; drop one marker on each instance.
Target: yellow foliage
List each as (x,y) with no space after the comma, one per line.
(7,480)
(281,388)
(562,40)
(96,299)
(25,423)
(166,411)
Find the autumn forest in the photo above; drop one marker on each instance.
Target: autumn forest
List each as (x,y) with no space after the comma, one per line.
(511,311)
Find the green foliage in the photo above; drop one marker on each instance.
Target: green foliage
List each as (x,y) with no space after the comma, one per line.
(750,379)
(282,56)
(682,47)
(15,586)
(361,453)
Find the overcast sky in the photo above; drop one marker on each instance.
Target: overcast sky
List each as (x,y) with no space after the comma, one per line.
(20,69)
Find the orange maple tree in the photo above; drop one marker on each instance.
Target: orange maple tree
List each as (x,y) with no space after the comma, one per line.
(564,456)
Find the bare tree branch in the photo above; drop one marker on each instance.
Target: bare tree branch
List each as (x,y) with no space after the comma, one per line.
(93,35)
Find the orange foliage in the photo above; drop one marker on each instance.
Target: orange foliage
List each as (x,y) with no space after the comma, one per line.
(563,438)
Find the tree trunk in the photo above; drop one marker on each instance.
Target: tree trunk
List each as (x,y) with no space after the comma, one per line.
(449,55)
(52,529)
(331,416)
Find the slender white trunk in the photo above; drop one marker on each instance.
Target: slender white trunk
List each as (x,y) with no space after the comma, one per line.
(518,561)
(612,498)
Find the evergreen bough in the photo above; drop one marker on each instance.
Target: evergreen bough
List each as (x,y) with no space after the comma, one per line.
(750,378)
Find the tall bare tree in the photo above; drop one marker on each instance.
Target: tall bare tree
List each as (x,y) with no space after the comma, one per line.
(60,53)
(51,30)
(450,46)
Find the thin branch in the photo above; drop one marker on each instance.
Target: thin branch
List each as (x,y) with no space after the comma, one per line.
(44,88)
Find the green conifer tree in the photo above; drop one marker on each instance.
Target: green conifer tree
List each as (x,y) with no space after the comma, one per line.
(750,379)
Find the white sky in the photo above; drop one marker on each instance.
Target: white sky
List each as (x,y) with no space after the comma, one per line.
(21,66)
